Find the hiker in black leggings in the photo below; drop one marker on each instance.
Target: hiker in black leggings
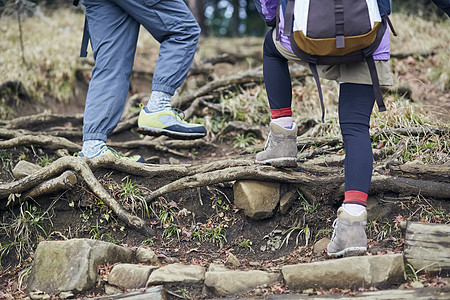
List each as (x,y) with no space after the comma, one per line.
(355,107)
(356,100)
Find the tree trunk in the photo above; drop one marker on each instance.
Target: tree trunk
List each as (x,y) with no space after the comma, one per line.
(198,10)
(236,21)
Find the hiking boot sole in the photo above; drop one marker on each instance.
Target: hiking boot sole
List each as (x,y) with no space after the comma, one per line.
(172,134)
(285,162)
(352,251)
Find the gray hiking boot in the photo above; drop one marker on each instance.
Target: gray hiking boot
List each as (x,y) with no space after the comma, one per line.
(281,147)
(349,235)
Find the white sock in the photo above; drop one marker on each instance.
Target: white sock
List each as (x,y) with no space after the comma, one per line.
(159,101)
(92,147)
(354,209)
(285,122)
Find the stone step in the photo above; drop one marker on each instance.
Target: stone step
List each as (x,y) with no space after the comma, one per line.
(410,294)
(349,272)
(153,293)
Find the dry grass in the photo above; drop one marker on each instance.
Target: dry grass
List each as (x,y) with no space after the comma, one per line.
(418,35)
(51,48)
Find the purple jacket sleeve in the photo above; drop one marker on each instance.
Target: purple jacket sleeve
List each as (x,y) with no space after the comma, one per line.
(269,8)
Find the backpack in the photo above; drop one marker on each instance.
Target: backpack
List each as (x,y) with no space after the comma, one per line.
(334,32)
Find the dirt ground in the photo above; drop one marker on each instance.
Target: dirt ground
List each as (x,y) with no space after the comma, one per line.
(193,226)
(202,226)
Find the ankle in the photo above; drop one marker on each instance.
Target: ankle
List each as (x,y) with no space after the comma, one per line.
(159,101)
(92,147)
(354,209)
(285,122)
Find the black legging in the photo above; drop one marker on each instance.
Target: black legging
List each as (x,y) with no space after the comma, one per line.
(355,107)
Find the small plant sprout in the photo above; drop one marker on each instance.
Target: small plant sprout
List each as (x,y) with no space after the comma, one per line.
(45,160)
(307,207)
(244,140)
(131,197)
(245,243)
(24,227)
(289,232)
(410,273)
(209,233)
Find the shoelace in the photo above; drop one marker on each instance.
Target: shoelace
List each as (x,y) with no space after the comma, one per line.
(335,224)
(179,113)
(268,142)
(114,152)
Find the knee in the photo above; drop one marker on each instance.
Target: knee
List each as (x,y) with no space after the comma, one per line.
(269,48)
(354,130)
(192,30)
(195,31)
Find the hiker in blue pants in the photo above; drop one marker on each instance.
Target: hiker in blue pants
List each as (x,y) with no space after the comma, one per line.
(113,28)
(356,100)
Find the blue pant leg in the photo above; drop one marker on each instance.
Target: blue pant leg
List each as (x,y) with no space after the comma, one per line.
(172,24)
(355,107)
(113,33)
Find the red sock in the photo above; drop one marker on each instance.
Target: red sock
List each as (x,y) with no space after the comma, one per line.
(281,112)
(355,197)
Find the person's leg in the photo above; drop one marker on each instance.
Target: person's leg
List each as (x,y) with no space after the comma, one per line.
(355,107)
(172,24)
(277,80)
(281,148)
(113,34)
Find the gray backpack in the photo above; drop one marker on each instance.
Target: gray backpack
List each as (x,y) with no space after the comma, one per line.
(333,32)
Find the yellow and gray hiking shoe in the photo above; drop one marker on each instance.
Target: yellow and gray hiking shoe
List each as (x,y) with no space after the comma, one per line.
(168,122)
(105,150)
(349,234)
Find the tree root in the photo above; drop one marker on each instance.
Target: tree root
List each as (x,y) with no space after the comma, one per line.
(82,167)
(47,118)
(408,186)
(65,181)
(44,141)
(254,75)
(414,131)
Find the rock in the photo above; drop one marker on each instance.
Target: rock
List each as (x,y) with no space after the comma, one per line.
(351,272)
(177,273)
(146,256)
(320,245)
(66,295)
(417,285)
(232,261)
(377,209)
(24,168)
(72,265)
(174,161)
(229,283)
(39,295)
(112,290)
(258,199)
(130,276)
(153,293)
(217,268)
(287,200)
(427,246)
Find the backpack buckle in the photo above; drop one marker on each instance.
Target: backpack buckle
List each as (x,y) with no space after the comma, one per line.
(367,52)
(313,59)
